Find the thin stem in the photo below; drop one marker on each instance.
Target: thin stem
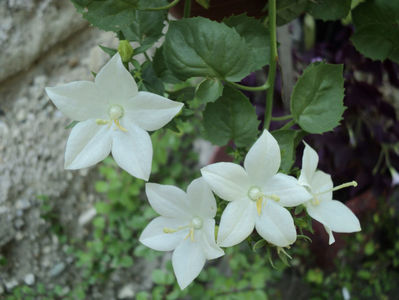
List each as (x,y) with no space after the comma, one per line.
(187,9)
(249,88)
(282,118)
(288,125)
(273,61)
(146,56)
(170,5)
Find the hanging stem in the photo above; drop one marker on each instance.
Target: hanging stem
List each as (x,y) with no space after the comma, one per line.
(288,125)
(187,9)
(170,5)
(249,88)
(282,118)
(273,61)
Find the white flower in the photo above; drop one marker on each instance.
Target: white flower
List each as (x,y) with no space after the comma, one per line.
(186,225)
(257,194)
(333,214)
(113,117)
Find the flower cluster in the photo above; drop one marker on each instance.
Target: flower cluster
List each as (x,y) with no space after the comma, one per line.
(114,117)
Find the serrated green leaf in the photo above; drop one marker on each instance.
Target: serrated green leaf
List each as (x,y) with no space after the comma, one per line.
(256,36)
(317,98)
(231,117)
(329,10)
(288,10)
(377,29)
(209,90)
(286,139)
(199,47)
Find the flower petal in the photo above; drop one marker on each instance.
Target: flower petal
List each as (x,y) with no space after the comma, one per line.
(237,222)
(229,181)
(322,185)
(155,238)
(132,150)
(276,225)
(263,159)
(287,188)
(87,144)
(151,111)
(115,82)
(79,100)
(202,201)
(168,200)
(188,259)
(310,159)
(331,239)
(335,215)
(207,239)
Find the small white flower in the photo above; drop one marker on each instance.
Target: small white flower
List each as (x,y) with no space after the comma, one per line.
(257,194)
(333,214)
(186,225)
(113,117)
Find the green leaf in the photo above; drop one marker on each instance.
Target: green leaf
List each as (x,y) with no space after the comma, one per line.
(377,29)
(110,51)
(329,10)
(288,10)
(286,139)
(161,69)
(150,79)
(317,98)
(203,3)
(256,36)
(231,117)
(199,47)
(209,90)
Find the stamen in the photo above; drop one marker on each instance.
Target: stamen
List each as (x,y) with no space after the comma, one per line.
(259,205)
(315,200)
(341,186)
(190,234)
(119,126)
(102,122)
(171,230)
(273,197)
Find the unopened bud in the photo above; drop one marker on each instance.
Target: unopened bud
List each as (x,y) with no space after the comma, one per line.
(125,50)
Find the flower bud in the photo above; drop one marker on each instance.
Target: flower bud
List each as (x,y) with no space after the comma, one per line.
(125,50)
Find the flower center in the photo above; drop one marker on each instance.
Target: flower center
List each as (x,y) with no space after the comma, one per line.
(195,224)
(115,113)
(256,195)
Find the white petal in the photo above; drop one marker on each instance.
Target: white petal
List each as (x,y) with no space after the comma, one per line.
(331,239)
(155,238)
(276,225)
(202,201)
(79,100)
(207,239)
(263,159)
(151,111)
(168,200)
(188,259)
(132,150)
(115,82)
(287,188)
(310,159)
(335,215)
(237,222)
(322,185)
(229,181)
(87,144)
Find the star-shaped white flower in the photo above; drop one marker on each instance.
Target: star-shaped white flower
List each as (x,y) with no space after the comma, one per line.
(333,214)
(257,194)
(113,117)
(186,225)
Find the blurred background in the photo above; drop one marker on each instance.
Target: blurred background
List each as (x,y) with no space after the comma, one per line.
(74,235)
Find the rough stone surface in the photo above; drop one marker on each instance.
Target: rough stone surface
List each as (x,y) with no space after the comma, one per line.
(30,27)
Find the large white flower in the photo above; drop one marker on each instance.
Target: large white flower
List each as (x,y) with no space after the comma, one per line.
(186,225)
(113,117)
(333,214)
(257,194)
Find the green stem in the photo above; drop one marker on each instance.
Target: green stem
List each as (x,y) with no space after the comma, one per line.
(273,61)
(170,5)
(282,118)
(146,56)
(187,9)
(249,88)
(288,125)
